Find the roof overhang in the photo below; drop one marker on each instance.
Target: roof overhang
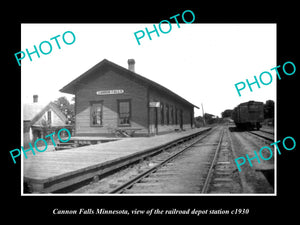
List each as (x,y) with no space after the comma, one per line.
(104,65)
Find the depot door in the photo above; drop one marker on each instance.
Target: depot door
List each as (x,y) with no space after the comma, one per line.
(153,121)
(181,119)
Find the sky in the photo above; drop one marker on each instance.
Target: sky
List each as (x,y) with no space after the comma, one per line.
(200,62)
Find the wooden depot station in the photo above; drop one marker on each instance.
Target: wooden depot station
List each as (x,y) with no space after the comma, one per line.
(110,98)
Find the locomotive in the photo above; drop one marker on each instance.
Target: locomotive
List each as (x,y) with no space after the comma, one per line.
(248,115)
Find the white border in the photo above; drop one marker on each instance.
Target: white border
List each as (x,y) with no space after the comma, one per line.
(193,195)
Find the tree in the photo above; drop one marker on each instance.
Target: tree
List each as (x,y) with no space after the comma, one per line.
(227,113)
(269,109)
(66,108)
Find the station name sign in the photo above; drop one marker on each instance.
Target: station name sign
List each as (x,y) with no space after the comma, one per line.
(154,104)
(110,92)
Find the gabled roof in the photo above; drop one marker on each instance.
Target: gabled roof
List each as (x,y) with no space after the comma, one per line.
(105,64)
(34,111)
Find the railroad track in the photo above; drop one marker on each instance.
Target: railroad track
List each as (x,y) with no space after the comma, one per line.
(184,172)
(105,183)
(159,163)
(212,166)
(268,132)
(223,176)
(263,135)
(259,177)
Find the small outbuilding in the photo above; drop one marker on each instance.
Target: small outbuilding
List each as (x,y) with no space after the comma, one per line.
(110,99)
(41,119)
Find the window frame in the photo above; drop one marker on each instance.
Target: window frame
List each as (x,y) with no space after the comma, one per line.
(176,116)
(162,113)
(171,114)
(49,117)
(168,114)
(92,103)
(130,112)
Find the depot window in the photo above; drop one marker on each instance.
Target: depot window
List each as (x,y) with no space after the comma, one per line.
(176,113)
(172,114)
(167,114)
(49,117)
(96,113)
(124,111)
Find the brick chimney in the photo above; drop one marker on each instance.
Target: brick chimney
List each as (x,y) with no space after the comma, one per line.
(35,98)
(131,63)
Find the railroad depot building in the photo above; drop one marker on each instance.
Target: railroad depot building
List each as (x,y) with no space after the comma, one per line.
(110,98)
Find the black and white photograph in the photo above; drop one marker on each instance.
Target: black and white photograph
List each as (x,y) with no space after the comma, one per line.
(138,113)
(105,114)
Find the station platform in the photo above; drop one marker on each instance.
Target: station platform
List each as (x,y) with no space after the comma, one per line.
(51,171)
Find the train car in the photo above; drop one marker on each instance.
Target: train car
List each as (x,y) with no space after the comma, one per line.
(248,115)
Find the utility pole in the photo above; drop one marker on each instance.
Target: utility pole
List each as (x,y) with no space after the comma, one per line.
(203,114)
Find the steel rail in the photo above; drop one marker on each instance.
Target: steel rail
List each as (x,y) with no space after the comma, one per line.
(212,166)
(141,176)
(268,132)
(261,136)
